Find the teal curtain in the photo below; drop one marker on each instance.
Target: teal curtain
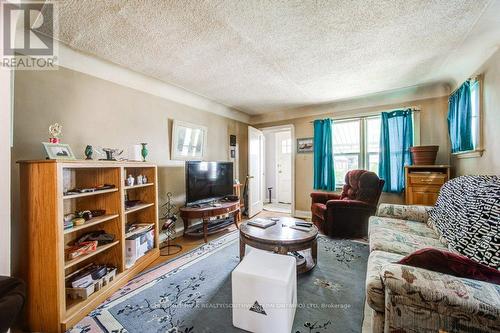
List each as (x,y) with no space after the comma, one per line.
(324,173)
(460,119)
(396,138)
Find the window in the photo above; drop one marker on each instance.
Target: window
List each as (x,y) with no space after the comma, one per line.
(464,119)
(286,146)
(372,143)
(475,97)
(355,145)
(346,148)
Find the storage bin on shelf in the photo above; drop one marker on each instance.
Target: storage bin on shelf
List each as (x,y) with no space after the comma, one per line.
(137,245)
(84,293)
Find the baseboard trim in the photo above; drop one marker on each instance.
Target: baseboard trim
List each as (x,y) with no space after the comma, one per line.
(179,231)
(304,214)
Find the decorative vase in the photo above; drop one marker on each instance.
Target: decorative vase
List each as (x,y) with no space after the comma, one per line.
(89,151)
(130,180)
(424,155)
(144,151)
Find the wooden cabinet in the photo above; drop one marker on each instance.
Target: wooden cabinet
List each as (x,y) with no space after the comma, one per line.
(423,183)
(44,239)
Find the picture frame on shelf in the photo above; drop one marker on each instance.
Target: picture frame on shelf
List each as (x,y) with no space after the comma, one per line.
(305,145)
(189,141)
(58,151)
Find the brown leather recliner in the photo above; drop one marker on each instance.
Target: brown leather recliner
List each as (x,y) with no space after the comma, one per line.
(346,215)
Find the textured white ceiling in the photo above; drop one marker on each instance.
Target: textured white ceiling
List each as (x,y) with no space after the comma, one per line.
(262,56)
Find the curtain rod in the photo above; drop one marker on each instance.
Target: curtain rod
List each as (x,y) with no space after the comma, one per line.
(475,78)
(412,109)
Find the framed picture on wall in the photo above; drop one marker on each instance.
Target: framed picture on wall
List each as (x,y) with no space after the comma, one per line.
(189,141)
(305,145)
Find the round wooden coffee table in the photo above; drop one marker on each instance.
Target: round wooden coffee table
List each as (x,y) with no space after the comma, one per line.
(282,239)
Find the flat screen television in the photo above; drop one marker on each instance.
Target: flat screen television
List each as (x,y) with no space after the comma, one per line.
(208,181)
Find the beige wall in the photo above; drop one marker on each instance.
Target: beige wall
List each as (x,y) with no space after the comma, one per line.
(5,160)
(5,195)
(102,113)
(489,163)
(432,128)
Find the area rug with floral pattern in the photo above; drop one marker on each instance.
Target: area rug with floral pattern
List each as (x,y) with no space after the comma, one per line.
(192,293)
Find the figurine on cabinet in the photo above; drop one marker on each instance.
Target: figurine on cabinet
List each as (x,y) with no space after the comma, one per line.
(89,151)
(130,180)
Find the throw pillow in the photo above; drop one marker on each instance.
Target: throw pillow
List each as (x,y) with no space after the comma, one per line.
(452,264)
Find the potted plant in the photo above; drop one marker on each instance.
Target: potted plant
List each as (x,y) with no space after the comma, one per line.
(424,155)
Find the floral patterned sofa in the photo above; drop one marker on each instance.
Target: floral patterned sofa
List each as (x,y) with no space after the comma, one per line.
(407,299)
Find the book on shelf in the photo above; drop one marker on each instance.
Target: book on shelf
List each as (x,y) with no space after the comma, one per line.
(137,228)
(261,223)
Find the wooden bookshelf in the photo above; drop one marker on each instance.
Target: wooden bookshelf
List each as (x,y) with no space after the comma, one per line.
(88,194)
(138,186)
(91,222)
(99,249)
(43,206)
(135,232)
(137,208)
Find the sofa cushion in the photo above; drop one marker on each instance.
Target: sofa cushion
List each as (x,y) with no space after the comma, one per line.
(416,293)
(375,293)
(318,209)
(409,227)
(405,212)
(400,242)
(451,263)
(467,215)
(378,322)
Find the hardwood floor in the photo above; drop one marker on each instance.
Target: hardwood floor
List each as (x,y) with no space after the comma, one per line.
(190,243)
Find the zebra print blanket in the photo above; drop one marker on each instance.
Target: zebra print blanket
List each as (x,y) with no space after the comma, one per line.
(467,216)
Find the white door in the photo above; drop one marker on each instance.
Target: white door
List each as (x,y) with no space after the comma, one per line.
(284,167)
(255,171)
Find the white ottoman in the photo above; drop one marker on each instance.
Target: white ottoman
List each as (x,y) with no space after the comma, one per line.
(264,289)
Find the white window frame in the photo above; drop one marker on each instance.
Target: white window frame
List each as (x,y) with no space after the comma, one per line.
(363,150)
(479,149)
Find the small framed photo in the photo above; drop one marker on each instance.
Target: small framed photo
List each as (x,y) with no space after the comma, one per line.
(58,151)
(305,145)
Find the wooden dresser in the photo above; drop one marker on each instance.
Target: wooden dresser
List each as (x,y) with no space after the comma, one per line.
(423,183)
